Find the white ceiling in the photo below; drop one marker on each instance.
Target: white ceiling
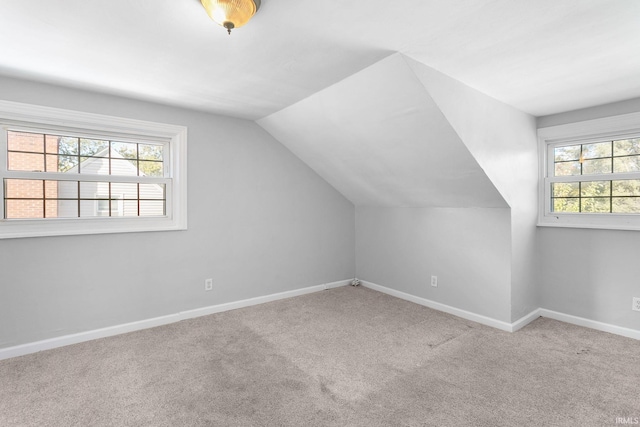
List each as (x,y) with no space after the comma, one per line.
(540,56)
(380,139)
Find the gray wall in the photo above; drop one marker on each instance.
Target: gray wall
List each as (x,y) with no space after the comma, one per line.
(260,222)
(591,273)
(607,110)
(503,141)
(468,249)
(586,272)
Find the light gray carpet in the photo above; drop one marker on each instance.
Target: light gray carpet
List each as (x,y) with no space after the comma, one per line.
(343,357)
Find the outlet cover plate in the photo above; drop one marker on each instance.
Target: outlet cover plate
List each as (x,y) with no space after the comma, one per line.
(636,304)
(434,281)
(208,284)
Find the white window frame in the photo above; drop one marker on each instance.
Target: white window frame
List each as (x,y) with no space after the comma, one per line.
(19,115)
(597,130)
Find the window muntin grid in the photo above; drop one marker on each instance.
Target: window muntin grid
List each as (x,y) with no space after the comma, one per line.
(40,152)
(140,192)
(583,177)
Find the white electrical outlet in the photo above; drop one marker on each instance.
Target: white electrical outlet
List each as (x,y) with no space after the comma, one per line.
(636,304)
(434,281)
(208,284)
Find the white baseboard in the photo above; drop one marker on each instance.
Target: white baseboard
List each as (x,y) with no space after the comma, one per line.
(505,326)
(34,347)
(20,350)
(525,320)
(593,324)
(48,344)
(498,324)
(204,311)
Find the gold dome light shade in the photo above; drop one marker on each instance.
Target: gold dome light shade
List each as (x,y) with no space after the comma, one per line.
(231,13)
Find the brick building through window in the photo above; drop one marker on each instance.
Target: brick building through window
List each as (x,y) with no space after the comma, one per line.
(32,198)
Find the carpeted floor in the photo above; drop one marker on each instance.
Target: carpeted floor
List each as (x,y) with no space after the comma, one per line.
(343,357)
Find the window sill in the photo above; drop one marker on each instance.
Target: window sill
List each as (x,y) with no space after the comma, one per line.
(622,223)
(16,228)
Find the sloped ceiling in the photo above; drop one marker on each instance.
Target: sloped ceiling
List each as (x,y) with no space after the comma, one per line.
(501,138)
(379,139)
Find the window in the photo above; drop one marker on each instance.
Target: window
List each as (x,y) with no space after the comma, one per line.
(75,167)
(66,172)
(591,174)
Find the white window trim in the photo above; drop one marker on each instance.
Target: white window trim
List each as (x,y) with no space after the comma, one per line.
(55,119)
(608,128)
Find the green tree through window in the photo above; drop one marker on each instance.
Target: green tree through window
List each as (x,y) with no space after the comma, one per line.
(603,163)
(71,151)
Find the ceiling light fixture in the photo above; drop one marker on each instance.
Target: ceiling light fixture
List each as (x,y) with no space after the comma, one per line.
(231,13)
